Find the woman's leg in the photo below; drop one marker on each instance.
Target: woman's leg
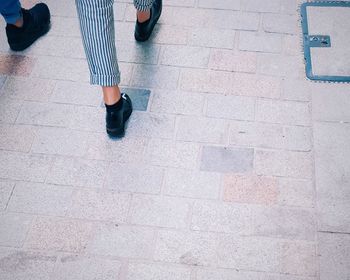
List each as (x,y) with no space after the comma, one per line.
(97,29)
(11,11)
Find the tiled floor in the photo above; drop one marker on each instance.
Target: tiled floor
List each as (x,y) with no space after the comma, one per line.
(233,166)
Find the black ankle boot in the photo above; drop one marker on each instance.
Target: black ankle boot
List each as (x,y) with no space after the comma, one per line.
(144,30)
(117,116)
(36,22)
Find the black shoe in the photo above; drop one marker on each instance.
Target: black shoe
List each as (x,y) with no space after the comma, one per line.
(116,119)
(144,30)
(36,22)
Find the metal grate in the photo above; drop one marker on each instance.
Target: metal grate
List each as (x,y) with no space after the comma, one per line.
(326,39)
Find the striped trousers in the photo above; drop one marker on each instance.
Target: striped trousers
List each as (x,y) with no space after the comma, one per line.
(97,29)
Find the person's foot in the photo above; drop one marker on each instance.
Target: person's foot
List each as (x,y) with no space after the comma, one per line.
(117,115)
(36,23)
(144,30)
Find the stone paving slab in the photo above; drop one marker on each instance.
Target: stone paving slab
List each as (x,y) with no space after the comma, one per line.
(234,166)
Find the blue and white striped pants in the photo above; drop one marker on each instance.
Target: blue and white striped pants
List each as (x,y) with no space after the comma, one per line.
(97,29)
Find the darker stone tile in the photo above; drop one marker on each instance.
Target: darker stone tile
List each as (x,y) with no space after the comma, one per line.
(222,159)
(2,81)
(139,98)
(16,65)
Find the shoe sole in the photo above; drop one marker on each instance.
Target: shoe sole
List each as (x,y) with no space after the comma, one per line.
(22,46)
(138,38)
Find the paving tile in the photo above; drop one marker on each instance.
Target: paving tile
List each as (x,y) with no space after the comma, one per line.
(279,23)
(181,3)
(9,110)
(299,258)
(223,159)
(16,137)
(58,234)
(245,21)
(18,65)
(29,89)
(334,256)
(212,37)
(86,268)
(126,150)
(289,6)
(205,130)
(291,45)
(22,265)
(169,34)
(334,215)
(60,25)
(228,60)
(280,222)
(126,70)
(124,31)
(77,172)
(183,16)
(139,98)
(275,136)
(60,141)
(159,211)
(230,107)
(14,229)
(212,4)
(284,163)
(88,118)
(266,254)
(2,81)
(260,42)
(42,199)
(330,102)
(6,188)
(283,112)
(232,274)
(194,184)
(298,90)
(189,248)
(146,76)
(255,85)
(121,177)
(185,56)
(76,93)
(173,102)
(272,6)
(332,173)
(151,125)
(200,80)
(25,167)
(219,217)
(248,253)
(37,113)
(119,11)
(147,53)
(64,69)
(124,242)
(172,154)
(299,193)
(65,8)
(250,189)
(281,65)
(99,205)
(58,46)
(142,271)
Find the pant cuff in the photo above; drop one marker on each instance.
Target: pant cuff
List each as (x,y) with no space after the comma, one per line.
(105,81)
(12,19)
(141,6)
